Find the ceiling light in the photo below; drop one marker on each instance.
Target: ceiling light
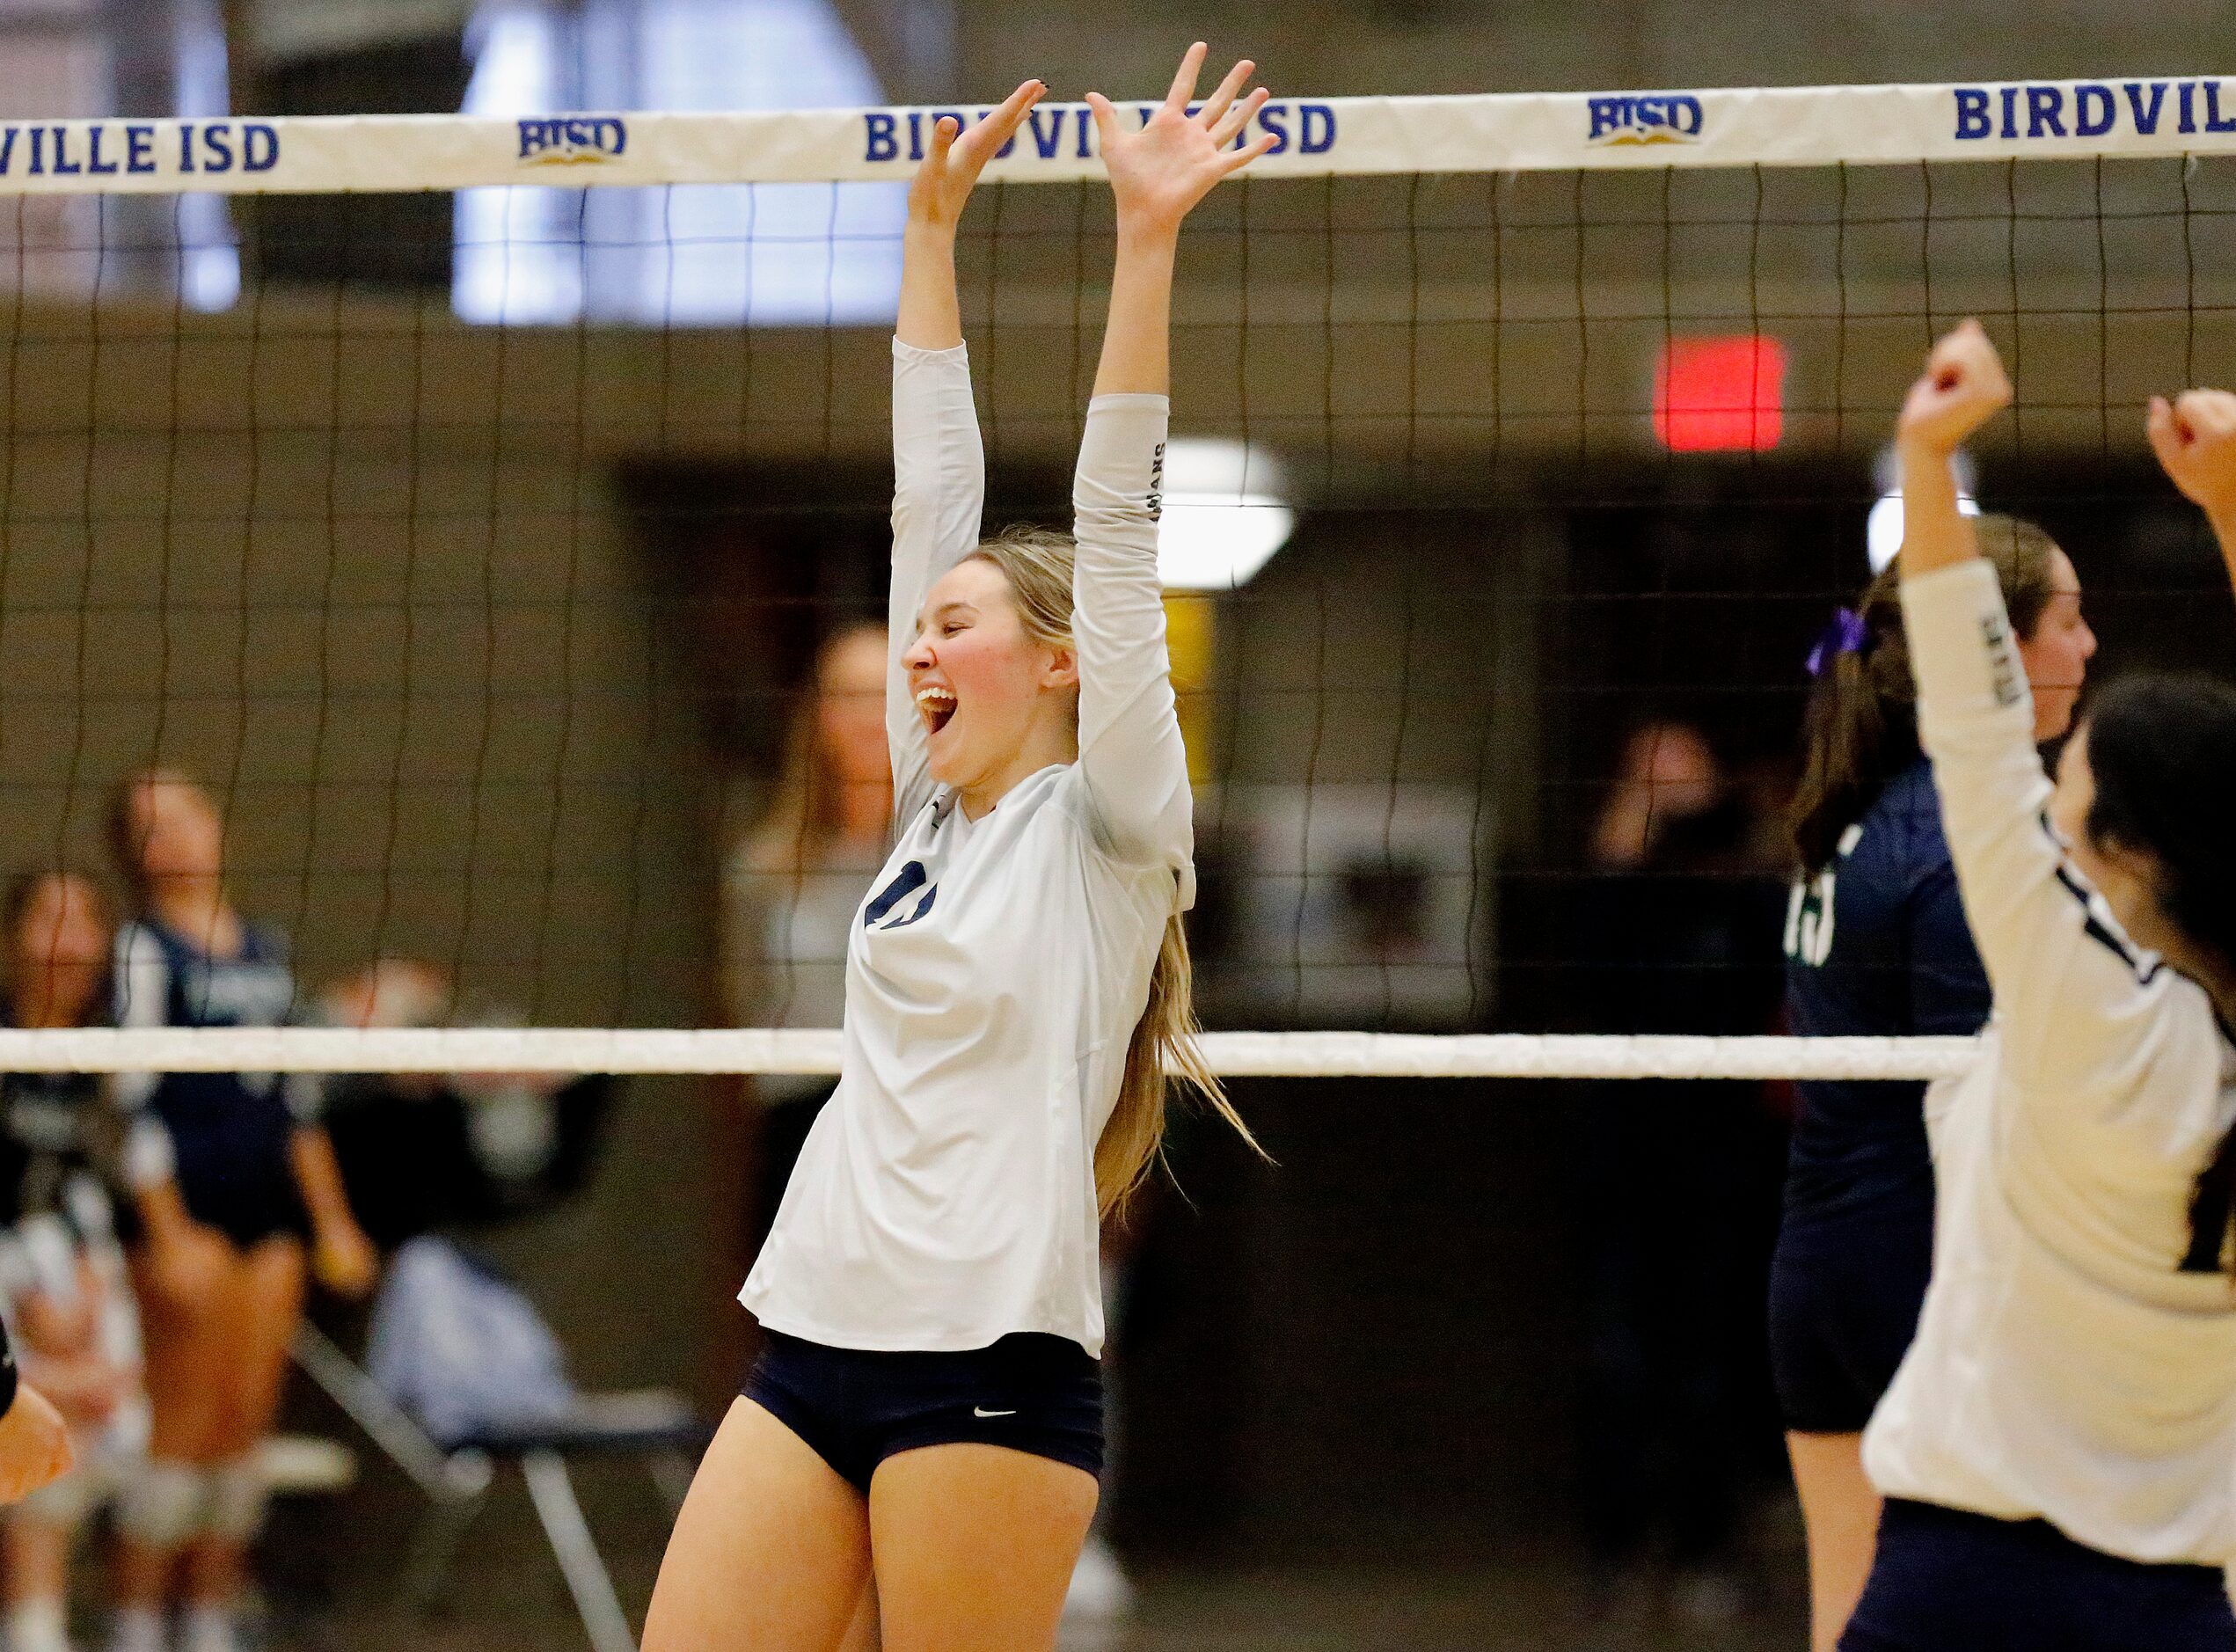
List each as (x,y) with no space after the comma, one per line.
(1226,513)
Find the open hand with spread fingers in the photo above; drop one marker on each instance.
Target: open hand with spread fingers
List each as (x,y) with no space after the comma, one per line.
(954,156)
(2195,438)
(1964,386)
(1159,171)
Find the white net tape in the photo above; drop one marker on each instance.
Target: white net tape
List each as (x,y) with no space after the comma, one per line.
(2070,119)
(1235,1054)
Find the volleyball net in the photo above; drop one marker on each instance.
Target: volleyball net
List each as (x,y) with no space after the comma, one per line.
(467,504)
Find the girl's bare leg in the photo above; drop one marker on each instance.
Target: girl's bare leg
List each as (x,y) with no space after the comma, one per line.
(771,1553)
(861,1634)
(38,1551)
(975,1546)
(187,1365)
(38,1559)
(263,1305)
(1840,1510)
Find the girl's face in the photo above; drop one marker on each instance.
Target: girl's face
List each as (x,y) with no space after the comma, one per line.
(61,935)
(2057,653)
(979,682)
(176,830)
(850,707)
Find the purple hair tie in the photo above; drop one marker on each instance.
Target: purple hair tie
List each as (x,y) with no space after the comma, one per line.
(1844,634)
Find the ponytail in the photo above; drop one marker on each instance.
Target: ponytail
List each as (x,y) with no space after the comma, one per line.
(1037,563)
(1860,729)
(1164,1046)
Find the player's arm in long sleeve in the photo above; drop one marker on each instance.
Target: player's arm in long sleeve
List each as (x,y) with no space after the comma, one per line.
(939,495)
(1131,758)
(2062,972)
(939,463)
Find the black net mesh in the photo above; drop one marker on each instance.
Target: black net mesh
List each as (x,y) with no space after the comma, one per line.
(490,636)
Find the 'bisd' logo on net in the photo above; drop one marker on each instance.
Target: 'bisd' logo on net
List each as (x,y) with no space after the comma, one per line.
(1648,117)
(573,140)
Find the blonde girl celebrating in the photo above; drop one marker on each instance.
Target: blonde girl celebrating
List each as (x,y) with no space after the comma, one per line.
(927,1416)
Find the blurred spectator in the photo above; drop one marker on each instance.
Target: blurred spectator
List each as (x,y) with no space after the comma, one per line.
(237,1196)
(425,1151)
(1669,783)
(1678,929)
(62,1280)
(792,888)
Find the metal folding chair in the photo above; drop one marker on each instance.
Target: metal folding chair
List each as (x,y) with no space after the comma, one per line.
(655,1427)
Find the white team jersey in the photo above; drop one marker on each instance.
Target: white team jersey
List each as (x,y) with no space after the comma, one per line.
(998,967)
(2065,1365)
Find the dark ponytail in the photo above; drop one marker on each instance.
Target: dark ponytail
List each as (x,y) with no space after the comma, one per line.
(1860,729)
(2162,751)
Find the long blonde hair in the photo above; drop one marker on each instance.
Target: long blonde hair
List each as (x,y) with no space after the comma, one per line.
(802,816)
(1037,562)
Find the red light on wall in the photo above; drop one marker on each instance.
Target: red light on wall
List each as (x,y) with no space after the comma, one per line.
(1719,395)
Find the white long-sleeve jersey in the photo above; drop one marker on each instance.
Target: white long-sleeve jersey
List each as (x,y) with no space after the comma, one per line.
(996,969)
(2065,1367)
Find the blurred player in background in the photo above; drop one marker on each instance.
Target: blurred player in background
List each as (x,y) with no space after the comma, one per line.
(792,888)
(1876,944)
(62,1277)
(234,1181)
(1677,928)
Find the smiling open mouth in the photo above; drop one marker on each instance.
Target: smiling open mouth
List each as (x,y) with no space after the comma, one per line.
(937,705)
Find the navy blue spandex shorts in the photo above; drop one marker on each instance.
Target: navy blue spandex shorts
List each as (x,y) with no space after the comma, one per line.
(1947,1581)
(1029,1392)
(1844,1297)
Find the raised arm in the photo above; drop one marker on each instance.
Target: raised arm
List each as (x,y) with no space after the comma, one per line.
(938,466)
(1130,754)
(2195,438)
(2062,972)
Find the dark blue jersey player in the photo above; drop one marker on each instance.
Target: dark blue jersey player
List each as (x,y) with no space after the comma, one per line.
(223,1137)
(238,1197)
(1877,943)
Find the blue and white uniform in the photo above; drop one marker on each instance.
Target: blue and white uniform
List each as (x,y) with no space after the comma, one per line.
(2075,1364)
(225,1137)
(946,1199)
(997,967)
(1877,943)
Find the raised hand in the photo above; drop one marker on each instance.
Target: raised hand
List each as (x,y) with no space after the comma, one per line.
(1964,386)
(955,158)
(2195,438)
(34,1445)
(1161,171)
